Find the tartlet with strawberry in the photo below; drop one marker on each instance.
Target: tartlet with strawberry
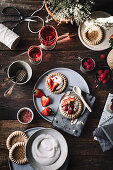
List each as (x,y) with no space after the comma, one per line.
(56,82)
(71,107)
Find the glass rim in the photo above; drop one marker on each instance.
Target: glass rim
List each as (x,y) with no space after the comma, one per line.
(30,48)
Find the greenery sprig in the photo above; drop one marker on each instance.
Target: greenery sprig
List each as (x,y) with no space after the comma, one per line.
(74,10)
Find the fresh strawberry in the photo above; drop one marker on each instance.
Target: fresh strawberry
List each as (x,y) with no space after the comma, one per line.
(111,36)
(103,75)
(38,93)
(70,111)
(103,56)
(65,108)
(46,111)
(67,101)
(104,81)
(100,72)
(49,81)
(54,86)
(45,100)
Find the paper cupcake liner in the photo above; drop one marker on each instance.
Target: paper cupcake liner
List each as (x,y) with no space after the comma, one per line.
(17,153)
(90,29)
(15,137)
(74,115)
(64,83)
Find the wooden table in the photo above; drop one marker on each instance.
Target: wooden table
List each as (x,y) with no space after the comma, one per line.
(85,153)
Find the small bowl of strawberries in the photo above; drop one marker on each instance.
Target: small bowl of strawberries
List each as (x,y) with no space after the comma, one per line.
(103,75)
(87,65)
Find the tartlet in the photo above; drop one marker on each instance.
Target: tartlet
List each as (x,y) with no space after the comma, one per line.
(56,83)
(15,137)
(93,35)
(17,153)
(71,107)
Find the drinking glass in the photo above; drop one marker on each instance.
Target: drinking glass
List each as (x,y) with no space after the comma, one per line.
(35,54)
(48,37)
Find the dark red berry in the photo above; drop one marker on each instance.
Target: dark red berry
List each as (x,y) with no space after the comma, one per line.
(104,81)
(66,108)
(71,105)
(88,67)
(103,75)
(106,71)
(103,56)
(85,63)
(100,72)
(70,111)
(99,79)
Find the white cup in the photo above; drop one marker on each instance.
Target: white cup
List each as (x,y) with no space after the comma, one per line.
(19,65)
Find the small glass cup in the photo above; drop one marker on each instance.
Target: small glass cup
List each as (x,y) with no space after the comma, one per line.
(48,37)
(87,64)
(35,54)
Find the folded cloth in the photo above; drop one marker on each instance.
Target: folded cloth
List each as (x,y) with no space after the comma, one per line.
(104,136)
(104,133)
(65,124)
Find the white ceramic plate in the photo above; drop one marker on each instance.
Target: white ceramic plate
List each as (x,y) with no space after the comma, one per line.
(105,43)
(13,166)
(74,79)
(63,146)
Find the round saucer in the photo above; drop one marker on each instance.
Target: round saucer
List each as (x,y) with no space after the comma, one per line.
(63,146)
(107,33)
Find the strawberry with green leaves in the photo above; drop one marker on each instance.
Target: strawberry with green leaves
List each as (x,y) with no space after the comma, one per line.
(38,93)
(46,112)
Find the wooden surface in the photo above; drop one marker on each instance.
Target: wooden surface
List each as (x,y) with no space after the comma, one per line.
(84,152)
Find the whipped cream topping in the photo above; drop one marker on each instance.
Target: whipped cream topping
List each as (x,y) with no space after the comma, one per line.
(46,149)
(59,80)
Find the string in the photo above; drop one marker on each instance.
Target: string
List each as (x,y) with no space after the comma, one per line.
(34,32)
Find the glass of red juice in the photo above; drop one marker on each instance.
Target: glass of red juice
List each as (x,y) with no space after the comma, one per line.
(35,54)
(48,37)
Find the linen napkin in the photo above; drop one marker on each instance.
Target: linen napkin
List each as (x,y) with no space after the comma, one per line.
(60,122)
(104,133)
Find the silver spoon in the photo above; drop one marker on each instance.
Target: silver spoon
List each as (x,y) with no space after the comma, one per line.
(21,74)
(77,90)
(6,81)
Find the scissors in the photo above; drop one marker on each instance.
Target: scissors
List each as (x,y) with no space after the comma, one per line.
(16,13)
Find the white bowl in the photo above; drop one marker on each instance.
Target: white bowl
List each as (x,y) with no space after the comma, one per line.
(19,112)
(63,146)
(15,66)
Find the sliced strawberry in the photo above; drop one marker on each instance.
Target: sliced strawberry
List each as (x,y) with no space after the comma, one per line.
(45,100)
(46,111)
(111,36)
(67,101)
(54,86)
(38,93)
(49,81)
(71,99)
